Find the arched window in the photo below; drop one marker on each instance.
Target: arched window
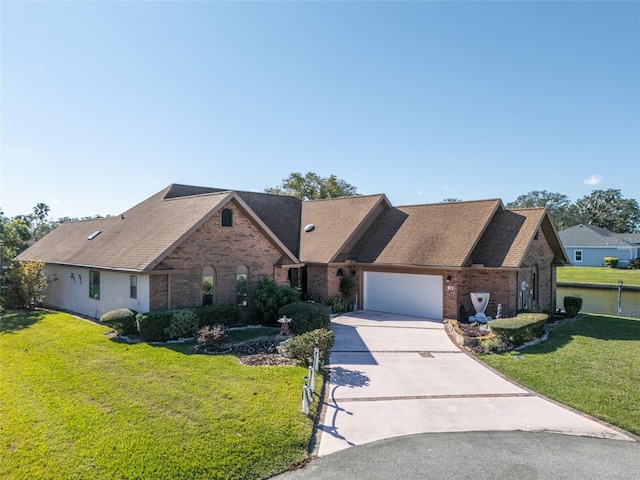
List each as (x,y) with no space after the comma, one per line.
(208,285)
(242,285)
(227,218)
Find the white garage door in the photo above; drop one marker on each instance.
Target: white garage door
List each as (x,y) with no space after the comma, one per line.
(403,293)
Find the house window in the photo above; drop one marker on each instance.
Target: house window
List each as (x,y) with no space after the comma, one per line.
(208,279)
(227,218)
(534,284)
(133,286)
(577,256)
(242,277)
(94,284)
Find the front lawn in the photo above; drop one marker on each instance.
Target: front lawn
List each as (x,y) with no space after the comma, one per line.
(74,404)
(592,365)
(605,275)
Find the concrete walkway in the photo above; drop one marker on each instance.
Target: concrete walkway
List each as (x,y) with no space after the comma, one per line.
(393,376)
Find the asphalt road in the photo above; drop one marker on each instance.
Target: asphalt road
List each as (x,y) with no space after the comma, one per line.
(479,455)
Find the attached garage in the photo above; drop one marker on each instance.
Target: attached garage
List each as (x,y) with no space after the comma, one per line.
(403,293)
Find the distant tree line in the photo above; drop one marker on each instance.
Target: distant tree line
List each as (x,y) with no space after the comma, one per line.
(602,208)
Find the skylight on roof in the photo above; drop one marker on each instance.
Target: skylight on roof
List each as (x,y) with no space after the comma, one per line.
(94,235)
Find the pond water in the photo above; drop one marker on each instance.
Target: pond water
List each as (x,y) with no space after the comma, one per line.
(603,301)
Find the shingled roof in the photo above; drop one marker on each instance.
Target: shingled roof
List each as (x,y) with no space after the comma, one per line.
(439,235)
(337,224)
(140,238)
(509,236)
(366,229)
(593,236)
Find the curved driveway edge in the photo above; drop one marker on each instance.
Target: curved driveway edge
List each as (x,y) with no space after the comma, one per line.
(479,455)
(392,376)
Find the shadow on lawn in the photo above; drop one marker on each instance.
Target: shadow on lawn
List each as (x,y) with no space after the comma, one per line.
(601,327)
(14,320)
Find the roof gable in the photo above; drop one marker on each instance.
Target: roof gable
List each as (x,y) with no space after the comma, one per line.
(510,234)
(337,223)
(442,235)
(140,238)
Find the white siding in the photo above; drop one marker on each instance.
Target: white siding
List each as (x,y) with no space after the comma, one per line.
(403,293)
(72,293)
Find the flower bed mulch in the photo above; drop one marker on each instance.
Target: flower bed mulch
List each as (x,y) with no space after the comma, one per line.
(258,352)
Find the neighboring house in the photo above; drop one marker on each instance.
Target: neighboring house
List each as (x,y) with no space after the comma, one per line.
(588,245)
(188,246)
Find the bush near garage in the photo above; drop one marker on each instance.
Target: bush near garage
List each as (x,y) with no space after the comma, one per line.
(519,329)
(305,316)
(267,297)
(301,347)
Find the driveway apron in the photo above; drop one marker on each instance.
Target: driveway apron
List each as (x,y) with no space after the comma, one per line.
(393,375)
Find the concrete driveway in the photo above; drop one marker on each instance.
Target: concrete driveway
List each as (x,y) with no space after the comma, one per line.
(393,375)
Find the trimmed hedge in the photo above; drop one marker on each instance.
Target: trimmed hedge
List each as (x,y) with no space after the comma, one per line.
(217,315)
(152,325)
(305,316)
(572,306)
(301,347)
(522,328)
(122,320)
(611,262)
(184,324)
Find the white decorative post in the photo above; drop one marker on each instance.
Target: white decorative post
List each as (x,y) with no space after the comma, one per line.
(305,401)
(316,359)
(311,379)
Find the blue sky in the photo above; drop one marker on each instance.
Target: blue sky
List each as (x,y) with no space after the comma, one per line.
(106,103)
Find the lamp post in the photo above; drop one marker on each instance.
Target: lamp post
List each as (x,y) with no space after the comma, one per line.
(619,297)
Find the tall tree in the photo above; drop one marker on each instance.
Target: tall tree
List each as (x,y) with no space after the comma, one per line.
(14,235)
(41,226)
(312,186)
(607,209)
(562,212)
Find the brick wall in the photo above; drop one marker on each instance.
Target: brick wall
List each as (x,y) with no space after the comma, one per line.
(500,284)
(317,280)
(539,259)
(158,292)
(224,249)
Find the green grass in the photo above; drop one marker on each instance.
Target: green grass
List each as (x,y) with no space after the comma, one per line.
(603,275)
(75,404)
(592,365)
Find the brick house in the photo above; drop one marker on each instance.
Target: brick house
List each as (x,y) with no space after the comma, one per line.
(188,246)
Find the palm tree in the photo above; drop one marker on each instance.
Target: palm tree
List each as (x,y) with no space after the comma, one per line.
(41,212)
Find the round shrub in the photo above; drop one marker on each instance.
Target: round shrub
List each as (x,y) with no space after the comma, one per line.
(122,320)
(305,316)
(301,347)
(572,306)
